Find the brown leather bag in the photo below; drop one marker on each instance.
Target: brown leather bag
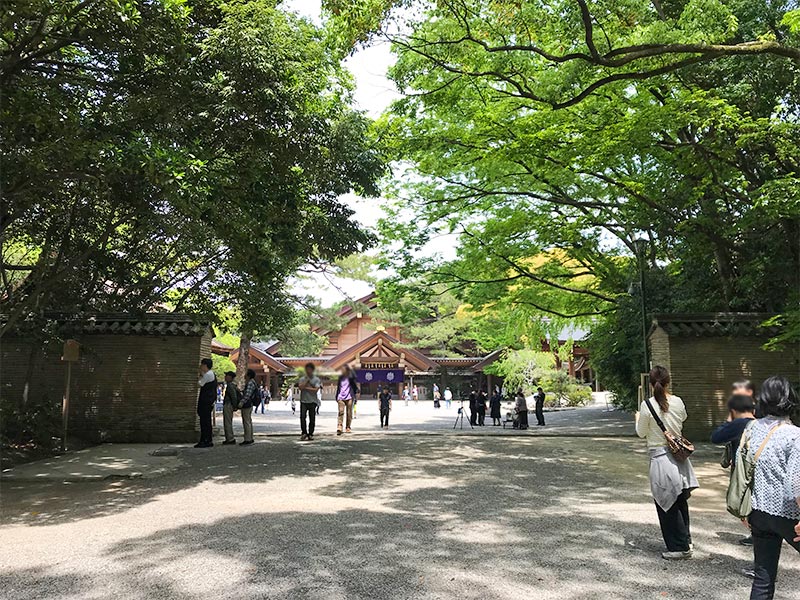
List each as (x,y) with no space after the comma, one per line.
(680,447)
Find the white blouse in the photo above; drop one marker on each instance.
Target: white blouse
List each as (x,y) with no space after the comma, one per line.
(646,426)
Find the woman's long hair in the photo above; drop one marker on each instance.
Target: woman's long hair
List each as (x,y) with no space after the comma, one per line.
(659,379)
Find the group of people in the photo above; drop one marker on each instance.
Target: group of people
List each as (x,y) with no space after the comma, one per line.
(233,399)
(250,396)
(772,447)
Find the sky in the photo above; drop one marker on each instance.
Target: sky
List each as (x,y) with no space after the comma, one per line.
(373,94)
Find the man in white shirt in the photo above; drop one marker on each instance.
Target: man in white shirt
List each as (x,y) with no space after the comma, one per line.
(205,402)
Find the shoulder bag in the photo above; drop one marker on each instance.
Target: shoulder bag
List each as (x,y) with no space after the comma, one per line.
(680,447)
(739,499)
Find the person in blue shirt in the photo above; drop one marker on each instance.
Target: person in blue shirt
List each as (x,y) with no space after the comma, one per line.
(741,410)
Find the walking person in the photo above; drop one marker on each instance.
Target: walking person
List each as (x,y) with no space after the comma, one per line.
(671,480)
(385,400)
(521,408)
(495,408)
(406,395)
(230,404)
(346,393)
(246,403)
(481,405)
(415,394)
(774,444)
(539,406)
(205,402)
(309,385)
(437,396)
(448,397)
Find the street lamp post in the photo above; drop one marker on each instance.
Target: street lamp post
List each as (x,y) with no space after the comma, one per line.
(640,247)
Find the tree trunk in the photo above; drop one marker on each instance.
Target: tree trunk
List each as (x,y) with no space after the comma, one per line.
(244,357)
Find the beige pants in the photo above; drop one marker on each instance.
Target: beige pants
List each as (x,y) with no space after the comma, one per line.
(247,423)
(345,405)
(227,421)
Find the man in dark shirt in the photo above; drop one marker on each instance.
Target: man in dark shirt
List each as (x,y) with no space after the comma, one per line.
(385,400)
(741,410)
(539,406)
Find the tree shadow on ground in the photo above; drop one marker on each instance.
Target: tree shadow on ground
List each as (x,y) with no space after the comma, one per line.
(417,517)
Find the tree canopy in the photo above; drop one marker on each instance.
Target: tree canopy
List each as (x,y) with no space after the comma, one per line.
(181,154)
(561,140)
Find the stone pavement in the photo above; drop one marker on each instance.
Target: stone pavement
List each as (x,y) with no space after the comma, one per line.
(372,516)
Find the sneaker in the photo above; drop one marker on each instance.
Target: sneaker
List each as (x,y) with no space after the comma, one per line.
(303,437)
(676,555)
(250,443)
(229,442)
(348,430)
(338,432)
(310,438)
(748,541)
(748,572)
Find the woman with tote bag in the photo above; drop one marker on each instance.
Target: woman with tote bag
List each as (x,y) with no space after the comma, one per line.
(771,448)
(672,479)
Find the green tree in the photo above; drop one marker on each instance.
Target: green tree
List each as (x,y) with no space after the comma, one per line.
(182,154)
(567,143)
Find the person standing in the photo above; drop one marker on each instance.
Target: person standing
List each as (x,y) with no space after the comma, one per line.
(437,396)
(741,411)
(494,408)
(473,408)
(346,393)
(230,404)
(521,408)
(448,397)
(773,444)
(481,408)
(671,480)
(205,402)
(309,384)
(415,394)
(385,400)
(248,400)
(406,395)
(539,406)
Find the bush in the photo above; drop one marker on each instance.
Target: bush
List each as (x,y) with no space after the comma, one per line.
(36,424)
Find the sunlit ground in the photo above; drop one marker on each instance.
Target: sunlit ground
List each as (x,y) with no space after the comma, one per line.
(373,516)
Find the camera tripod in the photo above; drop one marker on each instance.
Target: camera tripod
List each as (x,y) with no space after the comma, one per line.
(460,418)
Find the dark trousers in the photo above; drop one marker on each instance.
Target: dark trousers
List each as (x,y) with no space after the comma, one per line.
(473,415)
(310,411)
(769,532)
(384,417)
(540,413)
(204,410)
(522,419)
(675,524)
(481,417)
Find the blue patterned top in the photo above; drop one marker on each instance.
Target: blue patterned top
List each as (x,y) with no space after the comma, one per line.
(776,483)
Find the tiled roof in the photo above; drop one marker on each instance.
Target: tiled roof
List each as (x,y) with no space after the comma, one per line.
(180,324)
(715,324)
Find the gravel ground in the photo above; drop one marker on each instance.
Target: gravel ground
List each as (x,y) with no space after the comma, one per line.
(375,516)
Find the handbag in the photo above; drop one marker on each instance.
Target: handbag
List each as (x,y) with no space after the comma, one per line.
(726,460)
(739,499)
(680,447)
